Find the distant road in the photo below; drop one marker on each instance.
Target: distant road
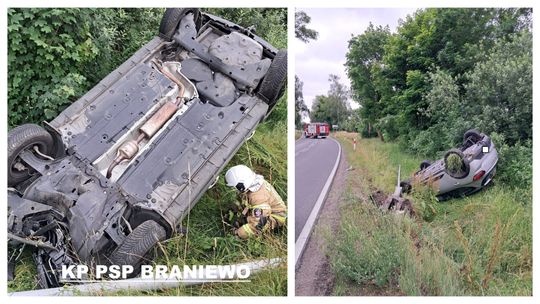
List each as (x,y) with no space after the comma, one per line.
(315,159)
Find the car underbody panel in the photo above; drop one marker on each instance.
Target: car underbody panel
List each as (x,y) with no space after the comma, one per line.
(144,144)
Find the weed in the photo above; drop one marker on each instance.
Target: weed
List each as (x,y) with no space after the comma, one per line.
(454,164)
(209,239)
(478,245)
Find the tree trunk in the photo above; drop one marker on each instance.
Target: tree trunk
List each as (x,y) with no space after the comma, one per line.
(379,133)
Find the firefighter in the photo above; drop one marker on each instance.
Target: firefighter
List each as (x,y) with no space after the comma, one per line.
(263,207)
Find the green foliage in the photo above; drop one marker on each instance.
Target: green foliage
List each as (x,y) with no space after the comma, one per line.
(300,107)
(363,58)
(444,112)
(446,71)
(47,49)
(56,55)
(515,162)
(332,108)
(478,245)
(368,255)
(499,89)
(454,164)
(301,30)
(353,123)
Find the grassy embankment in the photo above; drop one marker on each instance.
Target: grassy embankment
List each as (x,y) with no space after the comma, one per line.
(479,245)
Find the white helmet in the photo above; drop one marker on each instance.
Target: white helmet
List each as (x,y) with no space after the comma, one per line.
(241,177)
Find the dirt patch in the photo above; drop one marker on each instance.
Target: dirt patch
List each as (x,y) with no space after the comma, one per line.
(392,203)
(378,197)
(314,276)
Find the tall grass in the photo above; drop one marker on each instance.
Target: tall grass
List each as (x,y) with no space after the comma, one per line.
(479,245)
(209,240)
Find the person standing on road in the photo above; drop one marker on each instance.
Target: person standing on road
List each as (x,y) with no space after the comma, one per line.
(263,207)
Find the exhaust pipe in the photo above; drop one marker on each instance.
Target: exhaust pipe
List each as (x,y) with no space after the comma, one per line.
(130,148)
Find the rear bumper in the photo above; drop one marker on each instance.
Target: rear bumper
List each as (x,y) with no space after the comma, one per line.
(489,177)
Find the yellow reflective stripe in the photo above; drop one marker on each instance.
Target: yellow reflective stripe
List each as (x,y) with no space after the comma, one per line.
(280,218)
(261,206)
(248,230)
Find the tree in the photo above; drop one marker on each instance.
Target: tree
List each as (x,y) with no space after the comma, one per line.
(56,54)
(334,107)
(363,63)
(353,122)
(496,99)
(300,107)
(304,34)
(301,30)
(499,89)
(390,72)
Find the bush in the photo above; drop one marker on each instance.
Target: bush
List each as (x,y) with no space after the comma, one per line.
(445,71)
(515,162)
(497,100)
(56,55)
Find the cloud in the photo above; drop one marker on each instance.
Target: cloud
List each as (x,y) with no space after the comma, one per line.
(326,55)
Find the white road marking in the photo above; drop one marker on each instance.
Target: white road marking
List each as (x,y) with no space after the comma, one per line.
(308,227)
(309,144)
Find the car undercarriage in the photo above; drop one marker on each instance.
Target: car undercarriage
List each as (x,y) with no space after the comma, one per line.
(118,170)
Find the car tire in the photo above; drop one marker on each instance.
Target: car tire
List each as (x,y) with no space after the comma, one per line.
(424,164)
(406,186)
(272,86)
(464,166)
(476,136)
(171,19)
(20,139)
(137,244)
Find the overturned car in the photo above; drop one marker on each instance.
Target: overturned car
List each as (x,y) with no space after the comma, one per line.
(117,171)
(462,171)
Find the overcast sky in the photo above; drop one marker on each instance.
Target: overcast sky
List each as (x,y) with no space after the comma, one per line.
(326,55)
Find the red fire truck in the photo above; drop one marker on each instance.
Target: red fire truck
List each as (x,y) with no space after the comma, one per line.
(316,130)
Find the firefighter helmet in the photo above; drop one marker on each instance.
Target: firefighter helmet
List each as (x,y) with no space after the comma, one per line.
(241,177)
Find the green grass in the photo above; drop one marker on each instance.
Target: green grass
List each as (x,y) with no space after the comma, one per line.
(479,245)
(454,164)
(297,134)
(209,239)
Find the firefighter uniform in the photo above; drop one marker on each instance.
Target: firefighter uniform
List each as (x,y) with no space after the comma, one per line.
(265,211)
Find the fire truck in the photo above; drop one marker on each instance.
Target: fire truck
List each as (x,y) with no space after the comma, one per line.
(316,130)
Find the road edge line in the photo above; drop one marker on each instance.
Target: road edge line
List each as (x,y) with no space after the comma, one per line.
(303,238)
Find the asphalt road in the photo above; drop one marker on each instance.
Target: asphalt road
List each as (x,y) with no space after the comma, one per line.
(315,159)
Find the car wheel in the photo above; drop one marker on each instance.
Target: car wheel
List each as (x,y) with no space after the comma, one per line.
(473,134)
(406,186)
(424,164)
(20,139)
(137,244)
(272,86)
(171,18)
(454,163)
